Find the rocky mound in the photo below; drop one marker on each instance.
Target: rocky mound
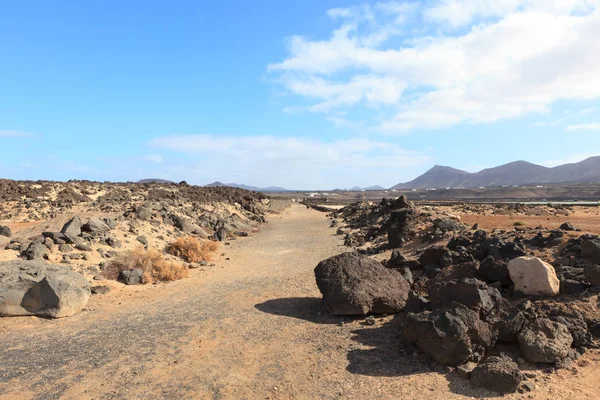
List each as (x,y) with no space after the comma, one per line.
(86,224)
(474,293)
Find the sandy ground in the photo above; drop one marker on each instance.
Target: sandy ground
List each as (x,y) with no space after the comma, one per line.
(253,327)
(585,218)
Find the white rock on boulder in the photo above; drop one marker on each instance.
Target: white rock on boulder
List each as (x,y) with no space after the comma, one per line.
(533,276)
(38,288)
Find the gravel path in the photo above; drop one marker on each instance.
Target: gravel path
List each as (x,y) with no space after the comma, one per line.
(251,327)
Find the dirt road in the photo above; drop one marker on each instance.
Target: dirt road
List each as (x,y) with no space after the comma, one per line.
(252,327)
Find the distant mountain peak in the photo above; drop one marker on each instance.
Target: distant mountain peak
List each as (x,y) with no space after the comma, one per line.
(154,180)
(514,173)
(254,188)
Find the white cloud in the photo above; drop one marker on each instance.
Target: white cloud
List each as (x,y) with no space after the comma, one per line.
(587,111)
(341,122)
(515,57)
(459,13)
(301,162)
(9,133)
(584,127)
(155,158)
(568,115)
(29,164)
(293,109)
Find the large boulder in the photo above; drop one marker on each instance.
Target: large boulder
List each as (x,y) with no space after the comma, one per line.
(143,213)
(545,341)
(38,288)
(35,251)
(532,276)
(567,226)
(451,335)
(132,276)
(469,292)
(493,269)
(72,229)
(5,231)
(448,225)
(507,320)
(353,284)
(499,249)
(592,274)
(497,373)
(95,226)
(182,223)
(590,248)
(436,255)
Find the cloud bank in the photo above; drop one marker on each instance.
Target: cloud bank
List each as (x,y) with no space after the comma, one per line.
(436,64)
(303,162)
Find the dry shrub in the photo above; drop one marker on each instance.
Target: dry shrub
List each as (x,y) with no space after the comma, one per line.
(152,262)
(192,250)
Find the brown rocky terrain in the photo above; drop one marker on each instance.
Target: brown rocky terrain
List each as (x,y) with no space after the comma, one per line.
(252,323)
(507,298)
(126,216)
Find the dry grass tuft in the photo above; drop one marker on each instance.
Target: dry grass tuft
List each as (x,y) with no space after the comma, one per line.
(152,262)
(192,250)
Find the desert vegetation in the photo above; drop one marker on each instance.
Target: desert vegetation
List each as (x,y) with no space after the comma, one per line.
(153,264)
(193,250)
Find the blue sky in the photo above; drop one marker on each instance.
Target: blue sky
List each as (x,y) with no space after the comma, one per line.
(312,94)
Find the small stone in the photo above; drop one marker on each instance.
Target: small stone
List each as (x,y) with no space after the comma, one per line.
(464,370)
(370,320)
(529,386)
(567,227)
(5,231)
(100,289)
(132,277)
(83,247)
(65,248)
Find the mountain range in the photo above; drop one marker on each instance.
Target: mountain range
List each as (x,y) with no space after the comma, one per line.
(154,180)
(514,173)
(240,186)
(375,187)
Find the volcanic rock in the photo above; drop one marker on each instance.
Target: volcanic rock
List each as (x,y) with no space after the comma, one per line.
(592,274)
(353,284)
(132,276)
(471,293)
(35,251)
(95,226)
(451,335)
(399,228)
(493,269)
(497,373)
(5,231)
(545,341)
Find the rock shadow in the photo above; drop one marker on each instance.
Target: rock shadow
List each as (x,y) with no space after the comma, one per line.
(391,355)
(310,309)
(464,387)
(388,355)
